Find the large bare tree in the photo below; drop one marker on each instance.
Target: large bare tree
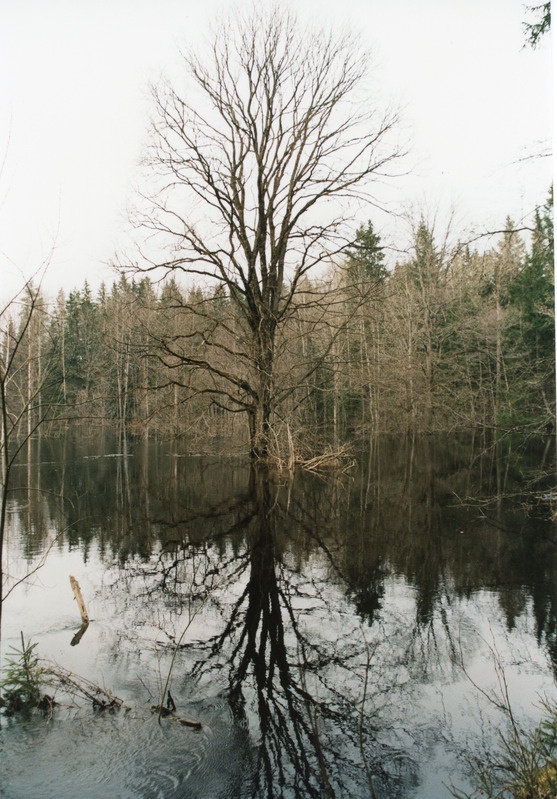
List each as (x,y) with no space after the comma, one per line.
(258,159)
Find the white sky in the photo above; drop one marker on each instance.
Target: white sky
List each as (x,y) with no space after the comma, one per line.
(75,105)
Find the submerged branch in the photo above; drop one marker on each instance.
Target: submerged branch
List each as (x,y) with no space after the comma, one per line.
(81,686)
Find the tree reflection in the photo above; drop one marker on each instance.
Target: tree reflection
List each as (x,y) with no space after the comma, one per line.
(292,668)
(273,667)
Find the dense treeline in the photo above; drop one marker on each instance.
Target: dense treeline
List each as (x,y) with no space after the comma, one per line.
(448,339)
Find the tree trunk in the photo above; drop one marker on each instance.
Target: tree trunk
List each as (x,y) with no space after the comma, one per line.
(262,408)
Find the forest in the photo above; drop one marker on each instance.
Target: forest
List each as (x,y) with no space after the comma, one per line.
(450,339)
(267,321)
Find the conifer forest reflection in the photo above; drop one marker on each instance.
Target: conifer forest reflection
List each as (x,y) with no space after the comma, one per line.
(327,631)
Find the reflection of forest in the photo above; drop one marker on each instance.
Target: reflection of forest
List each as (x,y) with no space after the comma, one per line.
(446,515)
(276,560)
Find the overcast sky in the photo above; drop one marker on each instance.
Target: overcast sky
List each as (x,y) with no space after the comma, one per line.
(475,107)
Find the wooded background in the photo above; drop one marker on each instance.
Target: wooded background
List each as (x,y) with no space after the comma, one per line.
(449,339)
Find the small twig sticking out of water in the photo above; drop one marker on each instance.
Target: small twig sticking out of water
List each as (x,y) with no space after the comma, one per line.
(39,565)
(314,720)
(166,689)
(501,702)
(369,656)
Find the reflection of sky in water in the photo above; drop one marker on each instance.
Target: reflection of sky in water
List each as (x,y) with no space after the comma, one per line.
(418,699)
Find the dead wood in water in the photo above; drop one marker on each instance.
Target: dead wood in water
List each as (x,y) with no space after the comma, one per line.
(168,713)
(339,461)
(79,599)
(81,686)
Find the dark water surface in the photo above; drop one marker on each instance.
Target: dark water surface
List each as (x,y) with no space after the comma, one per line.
(327,632)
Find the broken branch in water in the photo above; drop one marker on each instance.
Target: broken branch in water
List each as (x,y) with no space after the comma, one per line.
(75,684)
(79,598)
(165,713)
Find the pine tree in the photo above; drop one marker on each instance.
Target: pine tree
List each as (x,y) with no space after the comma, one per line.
(365,256)
(530,339)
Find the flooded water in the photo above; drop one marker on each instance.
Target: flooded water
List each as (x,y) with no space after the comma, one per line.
(335,636)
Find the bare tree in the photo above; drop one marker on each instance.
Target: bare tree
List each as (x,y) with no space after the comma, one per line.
(256,160)
(23,377)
